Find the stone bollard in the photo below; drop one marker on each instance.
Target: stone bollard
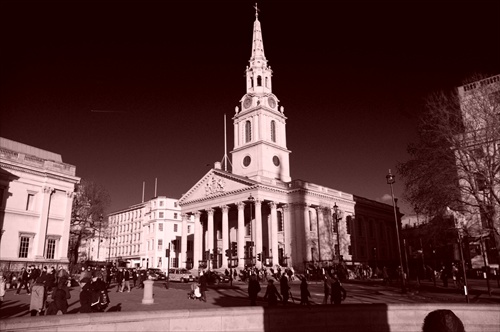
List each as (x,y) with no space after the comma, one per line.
(148,292)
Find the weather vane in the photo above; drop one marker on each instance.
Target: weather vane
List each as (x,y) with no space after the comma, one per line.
(257,10)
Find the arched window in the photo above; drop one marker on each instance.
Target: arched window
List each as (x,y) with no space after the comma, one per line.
(259,80)
(267,82)
(273,131)
(248,131)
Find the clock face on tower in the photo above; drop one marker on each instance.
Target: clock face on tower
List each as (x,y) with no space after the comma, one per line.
(276,161)
(247,103)
(272,102)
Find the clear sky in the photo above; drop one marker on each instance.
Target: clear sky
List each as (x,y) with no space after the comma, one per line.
(352,77)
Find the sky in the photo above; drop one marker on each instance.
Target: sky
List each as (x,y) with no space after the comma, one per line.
(133,91)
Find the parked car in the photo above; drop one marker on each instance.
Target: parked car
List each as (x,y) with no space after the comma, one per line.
(216,277)
(182,275)
(156,274)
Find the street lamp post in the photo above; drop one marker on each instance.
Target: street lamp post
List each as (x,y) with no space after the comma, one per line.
(391,179)
(336,209)
(99,237)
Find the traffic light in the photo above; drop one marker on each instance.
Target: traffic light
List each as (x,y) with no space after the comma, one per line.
(234,249)
(259,256)
(228,253)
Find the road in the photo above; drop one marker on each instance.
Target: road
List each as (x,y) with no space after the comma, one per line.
(175,297)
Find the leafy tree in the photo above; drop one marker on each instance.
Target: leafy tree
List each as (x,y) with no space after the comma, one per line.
(90,202)
(456,161)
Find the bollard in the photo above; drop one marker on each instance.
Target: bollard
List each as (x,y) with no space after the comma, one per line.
(148,292)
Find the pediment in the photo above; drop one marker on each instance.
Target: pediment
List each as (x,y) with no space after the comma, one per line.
(216,183)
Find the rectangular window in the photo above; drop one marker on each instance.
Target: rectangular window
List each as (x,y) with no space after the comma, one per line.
(51,248)
(175,227)
(175,204)
(160,227)
(161,203)
(24,246)
(161,215)
(189,228)
(175,215)
(160,244)
(175,261)
(30,202)
(280,222)
(348,224)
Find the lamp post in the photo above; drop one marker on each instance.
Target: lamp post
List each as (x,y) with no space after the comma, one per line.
(391,179)
(336,216)
(99,237)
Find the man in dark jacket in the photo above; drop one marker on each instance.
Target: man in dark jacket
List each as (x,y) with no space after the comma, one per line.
(203,286)
(284,288)
(338,292)
(253,289)
(119,280)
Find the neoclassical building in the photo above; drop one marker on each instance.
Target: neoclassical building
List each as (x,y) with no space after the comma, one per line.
(257,208)
(36,196)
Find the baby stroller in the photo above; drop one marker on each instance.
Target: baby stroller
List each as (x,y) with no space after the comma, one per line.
(195,293)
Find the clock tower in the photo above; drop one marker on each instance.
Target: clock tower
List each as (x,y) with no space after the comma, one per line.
(259,123)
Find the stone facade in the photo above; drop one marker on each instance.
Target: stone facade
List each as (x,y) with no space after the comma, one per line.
(36,191)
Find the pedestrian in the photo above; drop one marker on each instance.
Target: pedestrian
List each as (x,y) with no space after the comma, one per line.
(134,277)
(442,320)
(85,273)
(24,277)
(272,294)
(126,280)
(3,284)
(202,281)
(38,296)
(100,299)
(338,291)
(85,296)
(60,297)
(444,276)
(142,278)
(327,288)
(119,280)
(284,288)
(304,292)
(235,275)
(385,276)
(253,289)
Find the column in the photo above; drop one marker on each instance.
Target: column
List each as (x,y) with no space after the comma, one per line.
(197,245)
(258,230)
(183,253)
(44,220)
(225,235)
(63,243)
(319,228)
(274,233)
(305,240)
(210,231)
(287,232)
(241,234)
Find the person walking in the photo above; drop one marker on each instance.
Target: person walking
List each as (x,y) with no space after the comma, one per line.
(126,281)
(119,280)
(327,288)
(272,294)
(85,296)
(24,277)
(284,288)
(253,289)
(60,297)
(100,299)
(203,286)
(134,277)
(304,292)
(338,292)
(444,276)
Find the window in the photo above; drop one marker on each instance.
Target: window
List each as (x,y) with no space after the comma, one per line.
(30,202)
(160,227)
(175,227)
(174,261)
(175,204)
(24,246)
(175,215)
(160,244)
(348,224)
(189,228)
(248,131)
(273,131)
(161,203)
(161,215)
(259,80)
(280,221)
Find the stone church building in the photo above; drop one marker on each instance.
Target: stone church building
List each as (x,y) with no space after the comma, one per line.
(256,214)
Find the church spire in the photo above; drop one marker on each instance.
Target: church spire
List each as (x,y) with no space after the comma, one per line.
(257,44)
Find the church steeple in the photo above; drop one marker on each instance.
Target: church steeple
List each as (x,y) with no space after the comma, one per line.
(259,125)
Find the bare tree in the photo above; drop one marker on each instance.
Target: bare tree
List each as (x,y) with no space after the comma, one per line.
(456,161)
(90,202)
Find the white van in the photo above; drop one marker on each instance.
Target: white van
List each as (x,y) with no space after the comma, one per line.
(182,275)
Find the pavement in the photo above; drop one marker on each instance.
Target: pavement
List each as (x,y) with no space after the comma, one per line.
(224,295)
